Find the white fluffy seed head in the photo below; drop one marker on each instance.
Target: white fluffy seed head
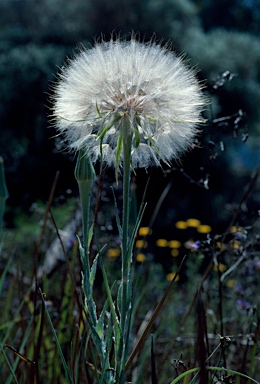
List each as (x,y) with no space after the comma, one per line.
(146,85)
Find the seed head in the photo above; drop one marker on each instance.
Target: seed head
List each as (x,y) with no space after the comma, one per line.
(121,88)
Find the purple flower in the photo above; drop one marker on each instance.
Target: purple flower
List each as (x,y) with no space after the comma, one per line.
(256,264)
(239,288)
(243,304)
(71,241)
(194,246)
(240,234)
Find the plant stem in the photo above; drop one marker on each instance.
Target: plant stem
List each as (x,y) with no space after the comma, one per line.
(126,253)
(84,174)
(125,317)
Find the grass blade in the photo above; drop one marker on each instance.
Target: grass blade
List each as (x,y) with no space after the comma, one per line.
(65,366)
(230,371)
(152,319)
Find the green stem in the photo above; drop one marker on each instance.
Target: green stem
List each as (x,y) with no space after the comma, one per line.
(84,190)
(126,210)
(126,252)
(84,174)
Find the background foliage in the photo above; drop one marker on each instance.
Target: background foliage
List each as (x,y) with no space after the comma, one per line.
(36,38)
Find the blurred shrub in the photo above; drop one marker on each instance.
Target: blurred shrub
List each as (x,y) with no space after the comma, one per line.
(46,20)
(239,53)
(241,15)
(37,36)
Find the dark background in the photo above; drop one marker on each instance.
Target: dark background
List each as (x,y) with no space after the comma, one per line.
(37,36)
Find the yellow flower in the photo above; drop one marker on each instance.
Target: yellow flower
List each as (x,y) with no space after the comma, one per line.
(174,244)
(193,223)
(162,243)
(181,224)
(141,244)
(204,228)
(230,283)
(113,252)
(144,231)
(220,267)
(171,276)
(140,257)
(174,252)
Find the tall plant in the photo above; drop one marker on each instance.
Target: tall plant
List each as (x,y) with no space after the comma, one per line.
(127,104)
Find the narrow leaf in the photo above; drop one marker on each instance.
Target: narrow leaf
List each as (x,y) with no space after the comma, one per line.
(93,270)
(230,371)
(9,365)
(119,147)
(135,230)
(100,323)
(90,235)
(117,332)
(102,132)
(137,137)
(119,227)
(65,366)
(153,317)
(98,111)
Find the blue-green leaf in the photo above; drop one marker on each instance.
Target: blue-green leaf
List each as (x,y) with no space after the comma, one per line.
(119,147)
(119,227)
(93,270)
